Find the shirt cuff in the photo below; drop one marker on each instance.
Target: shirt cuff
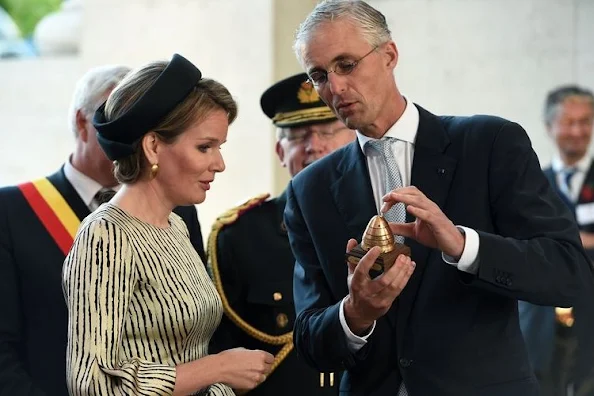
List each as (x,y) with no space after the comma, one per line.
(469,261)
(354,342)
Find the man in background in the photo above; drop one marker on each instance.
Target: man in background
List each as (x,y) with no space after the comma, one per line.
(249,251)
(552,335)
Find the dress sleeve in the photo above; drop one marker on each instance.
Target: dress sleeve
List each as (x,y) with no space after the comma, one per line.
(218,390)
(99,278)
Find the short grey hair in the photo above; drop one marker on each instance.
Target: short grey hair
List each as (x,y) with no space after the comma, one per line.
(281,133)
(557,96)
(372,22)
(90,90)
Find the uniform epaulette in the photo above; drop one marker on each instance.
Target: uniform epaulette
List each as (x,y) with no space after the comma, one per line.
(229,217)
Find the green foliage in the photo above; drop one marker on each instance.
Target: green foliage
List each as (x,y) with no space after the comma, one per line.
(26,13)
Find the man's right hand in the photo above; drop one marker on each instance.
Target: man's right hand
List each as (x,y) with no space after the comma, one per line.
(369,299)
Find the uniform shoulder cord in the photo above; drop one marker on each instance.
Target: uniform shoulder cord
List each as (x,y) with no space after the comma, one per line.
(229,217)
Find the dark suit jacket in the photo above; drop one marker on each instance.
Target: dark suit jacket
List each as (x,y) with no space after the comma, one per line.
(449,332)
(33,317)
(255,264)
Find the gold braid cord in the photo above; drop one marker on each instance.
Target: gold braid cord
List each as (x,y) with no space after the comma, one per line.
(229,217)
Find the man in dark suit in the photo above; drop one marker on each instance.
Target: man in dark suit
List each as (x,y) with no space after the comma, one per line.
(484,227)
(38,222)
(249,253)
(551,333)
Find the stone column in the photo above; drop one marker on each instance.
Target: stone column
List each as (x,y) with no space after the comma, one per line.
(288,14)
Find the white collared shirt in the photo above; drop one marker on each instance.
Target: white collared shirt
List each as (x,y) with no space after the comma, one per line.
(576,182)
(84,186)
(405,131)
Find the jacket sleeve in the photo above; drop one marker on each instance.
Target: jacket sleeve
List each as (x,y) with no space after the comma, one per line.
(318,335)
(14,378)
(534,253)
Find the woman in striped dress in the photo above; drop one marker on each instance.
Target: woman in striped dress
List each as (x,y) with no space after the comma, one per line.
(141,306)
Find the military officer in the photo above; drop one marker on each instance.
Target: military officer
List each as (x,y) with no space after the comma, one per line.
(249,253)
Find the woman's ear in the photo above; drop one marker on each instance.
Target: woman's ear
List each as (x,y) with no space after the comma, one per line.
(150,147)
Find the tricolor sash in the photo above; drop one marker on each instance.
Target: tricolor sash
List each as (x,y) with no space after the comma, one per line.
(53,211)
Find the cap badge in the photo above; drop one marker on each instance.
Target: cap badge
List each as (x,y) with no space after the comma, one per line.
(307,93)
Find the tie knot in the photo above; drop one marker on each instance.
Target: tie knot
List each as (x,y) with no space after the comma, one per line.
(104,195)
(568,174)
(381,145)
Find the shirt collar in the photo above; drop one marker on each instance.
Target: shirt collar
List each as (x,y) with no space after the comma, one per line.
(84,185)
(405,128)
(582,165)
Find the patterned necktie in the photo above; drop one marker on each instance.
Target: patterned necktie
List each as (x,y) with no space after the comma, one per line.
(568,174)
(103,195)
(397,213)
(402,390)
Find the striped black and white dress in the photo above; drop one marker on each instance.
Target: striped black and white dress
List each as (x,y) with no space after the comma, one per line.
(139,302)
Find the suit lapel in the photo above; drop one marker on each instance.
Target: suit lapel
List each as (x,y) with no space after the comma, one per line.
(432,174)
(280,202)
(67,191)
(587,190)
(352,190)
(550,174)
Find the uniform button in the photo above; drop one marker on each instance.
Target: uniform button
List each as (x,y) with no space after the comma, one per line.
(405,362)
(277,296)
(282,320)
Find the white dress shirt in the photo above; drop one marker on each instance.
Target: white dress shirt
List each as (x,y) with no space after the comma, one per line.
(575,184)
(86,187)
(405,131)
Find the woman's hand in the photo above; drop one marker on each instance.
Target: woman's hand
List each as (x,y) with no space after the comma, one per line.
(244,369)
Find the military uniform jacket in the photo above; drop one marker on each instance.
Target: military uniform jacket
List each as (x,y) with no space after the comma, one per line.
(33,315)
(253,271)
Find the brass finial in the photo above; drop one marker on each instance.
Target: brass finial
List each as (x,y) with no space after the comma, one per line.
(378,233)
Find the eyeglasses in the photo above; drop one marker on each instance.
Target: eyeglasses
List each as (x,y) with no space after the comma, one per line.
(302,135)
(342,68)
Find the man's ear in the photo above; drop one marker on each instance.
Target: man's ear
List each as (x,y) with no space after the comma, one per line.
(392,53)
(281,153)
(81,126)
